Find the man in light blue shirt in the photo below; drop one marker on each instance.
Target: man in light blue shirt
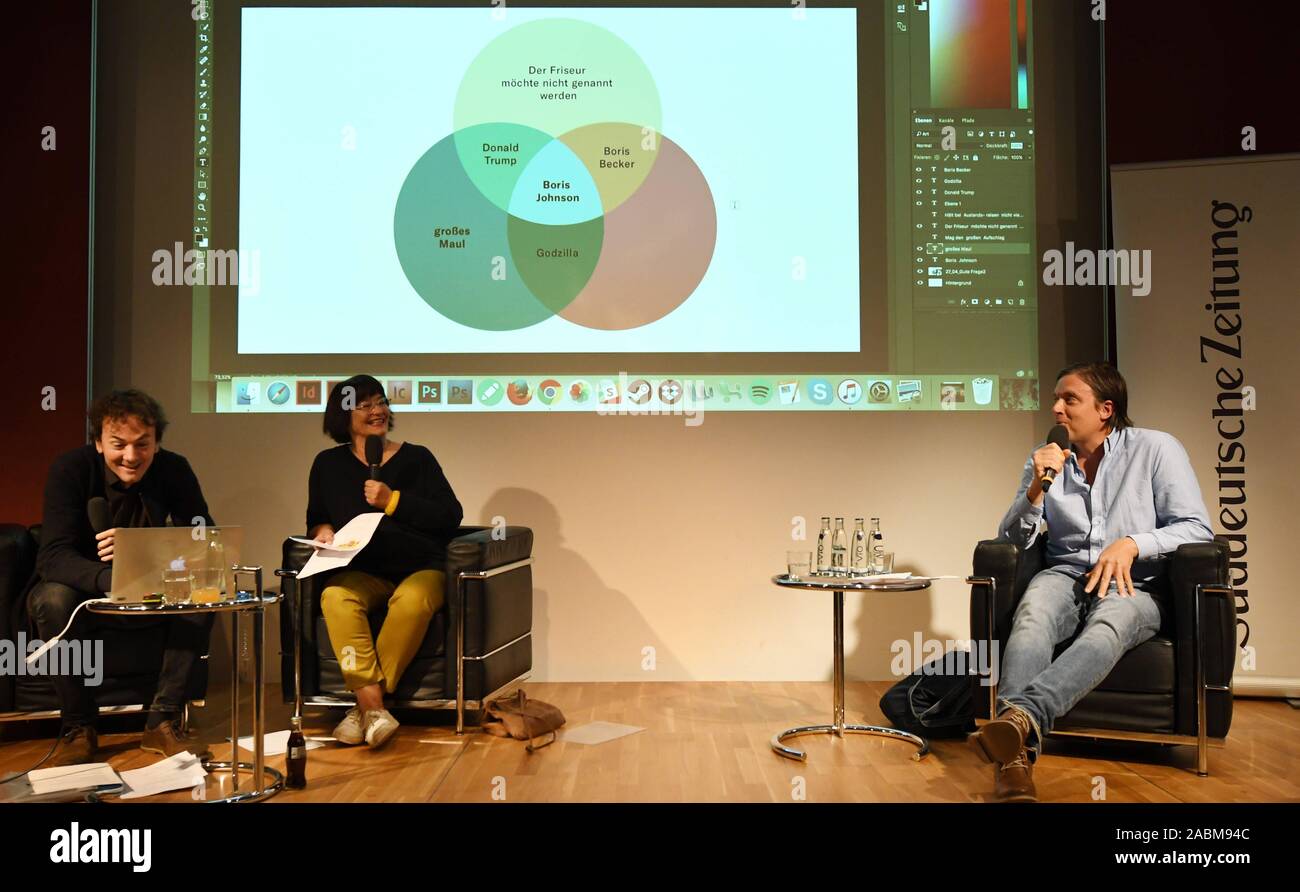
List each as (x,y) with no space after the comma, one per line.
(1122,498)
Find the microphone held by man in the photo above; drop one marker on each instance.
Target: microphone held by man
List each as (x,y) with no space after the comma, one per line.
(1049,461)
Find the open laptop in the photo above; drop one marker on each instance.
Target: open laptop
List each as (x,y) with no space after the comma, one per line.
(140,554)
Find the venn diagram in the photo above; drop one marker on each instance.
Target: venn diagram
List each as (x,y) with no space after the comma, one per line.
(557,192)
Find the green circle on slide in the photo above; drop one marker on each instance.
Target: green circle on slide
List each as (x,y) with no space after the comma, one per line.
(620,87)
(465,271)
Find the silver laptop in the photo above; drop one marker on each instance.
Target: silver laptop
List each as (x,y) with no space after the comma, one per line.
(141,554)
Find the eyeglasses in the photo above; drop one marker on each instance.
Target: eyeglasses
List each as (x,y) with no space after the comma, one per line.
(376,404)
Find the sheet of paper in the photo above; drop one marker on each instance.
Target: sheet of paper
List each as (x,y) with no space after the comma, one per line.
(179,772)
(72,777)
(276,743)
(596,732)
(321,545)
(348,541)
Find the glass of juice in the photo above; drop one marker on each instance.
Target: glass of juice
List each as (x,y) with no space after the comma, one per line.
(207,585)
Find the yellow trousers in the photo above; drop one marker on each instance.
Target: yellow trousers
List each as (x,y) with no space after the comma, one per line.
(352,595)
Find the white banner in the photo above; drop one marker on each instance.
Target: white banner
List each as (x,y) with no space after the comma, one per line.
(1209,355)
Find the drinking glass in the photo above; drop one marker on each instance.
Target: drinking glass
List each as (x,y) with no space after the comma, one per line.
(800,563)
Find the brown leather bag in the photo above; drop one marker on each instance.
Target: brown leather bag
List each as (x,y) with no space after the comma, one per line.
(522,719)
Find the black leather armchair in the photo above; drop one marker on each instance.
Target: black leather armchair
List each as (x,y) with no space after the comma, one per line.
(1175,688)
(133,647)
(476,648)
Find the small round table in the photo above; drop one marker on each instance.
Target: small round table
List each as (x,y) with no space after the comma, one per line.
(839,585)
(254,602)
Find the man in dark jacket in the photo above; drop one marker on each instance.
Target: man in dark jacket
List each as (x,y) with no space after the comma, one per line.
(144,485)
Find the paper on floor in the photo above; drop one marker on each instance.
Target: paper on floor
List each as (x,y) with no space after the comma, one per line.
(72,777)
(596,732)
(179,772)
(276,743)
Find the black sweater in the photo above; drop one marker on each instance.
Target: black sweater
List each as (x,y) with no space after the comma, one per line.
(426,518)
(68,553)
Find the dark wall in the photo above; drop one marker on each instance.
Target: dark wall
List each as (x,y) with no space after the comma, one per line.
(45,70)
(1183,77)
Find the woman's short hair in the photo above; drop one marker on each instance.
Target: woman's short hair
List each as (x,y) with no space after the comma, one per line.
(1107,384)
(352,392)
(118,405)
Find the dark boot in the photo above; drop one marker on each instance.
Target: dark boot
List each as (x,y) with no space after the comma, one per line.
(76,746)
(168,739)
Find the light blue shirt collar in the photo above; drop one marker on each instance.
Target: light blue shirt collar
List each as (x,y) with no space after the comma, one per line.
(1112,443)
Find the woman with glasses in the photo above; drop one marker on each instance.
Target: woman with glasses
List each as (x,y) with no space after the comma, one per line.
(400,568)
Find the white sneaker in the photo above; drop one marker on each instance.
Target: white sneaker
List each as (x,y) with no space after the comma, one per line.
(380,725)
(349,730)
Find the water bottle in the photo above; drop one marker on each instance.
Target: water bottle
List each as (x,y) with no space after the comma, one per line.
(824,547)
(877,547)
(839,548)
(858,559)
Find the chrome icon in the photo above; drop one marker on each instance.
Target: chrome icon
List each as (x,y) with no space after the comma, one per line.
(549,391)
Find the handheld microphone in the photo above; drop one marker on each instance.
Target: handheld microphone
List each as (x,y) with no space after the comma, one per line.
(374,454)
(101,518)
(1061,437)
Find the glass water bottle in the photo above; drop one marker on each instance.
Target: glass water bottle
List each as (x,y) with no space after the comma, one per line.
(824,547)
(858,556)
(839,548)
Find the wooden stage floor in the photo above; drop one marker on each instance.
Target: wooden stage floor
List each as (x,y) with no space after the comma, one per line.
(709,742)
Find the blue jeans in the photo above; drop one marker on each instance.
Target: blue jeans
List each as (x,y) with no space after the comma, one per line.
(1053,609)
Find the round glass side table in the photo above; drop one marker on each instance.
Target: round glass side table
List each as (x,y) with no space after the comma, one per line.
(838,585)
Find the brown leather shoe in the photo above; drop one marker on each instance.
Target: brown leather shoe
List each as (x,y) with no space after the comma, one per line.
(1014,780)
(77,746)
(1000,740)
(169,740)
